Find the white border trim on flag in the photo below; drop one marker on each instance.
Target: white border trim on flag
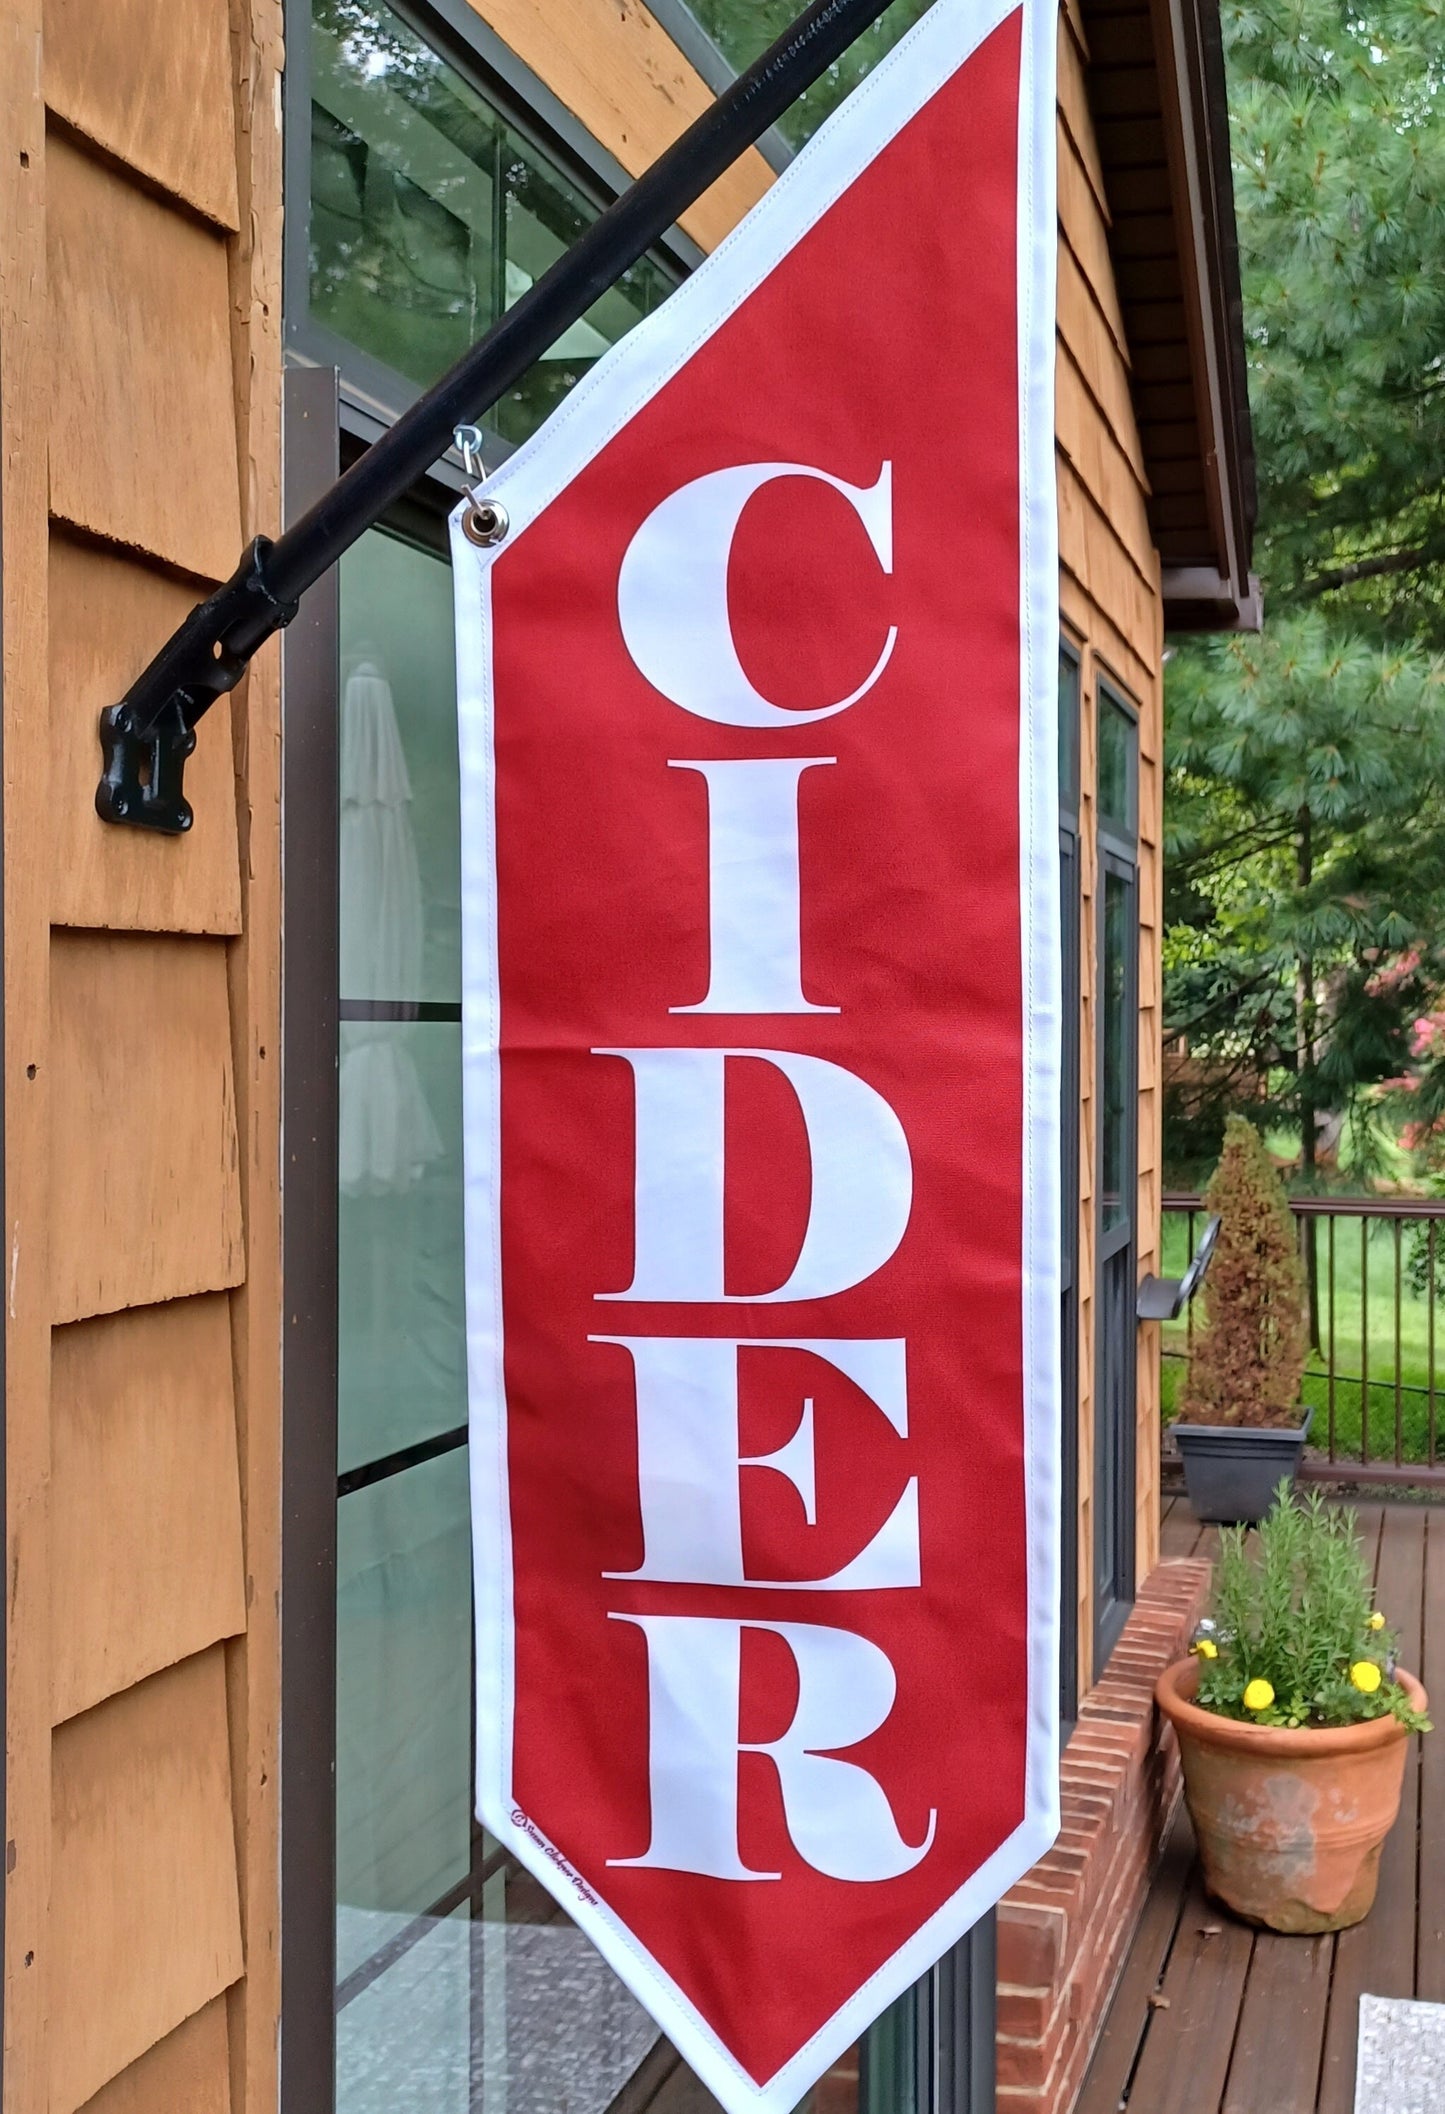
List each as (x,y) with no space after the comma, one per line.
(622,382)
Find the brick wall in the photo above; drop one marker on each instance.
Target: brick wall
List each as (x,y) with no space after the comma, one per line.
(1064,1929)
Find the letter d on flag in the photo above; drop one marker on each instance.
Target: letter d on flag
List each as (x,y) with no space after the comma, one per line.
(760,1058)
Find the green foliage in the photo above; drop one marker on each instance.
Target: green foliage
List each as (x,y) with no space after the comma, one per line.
(1338,117)
(1249,1355)
(743,28)
(1298,1616)
(1305,839)
(1305,806)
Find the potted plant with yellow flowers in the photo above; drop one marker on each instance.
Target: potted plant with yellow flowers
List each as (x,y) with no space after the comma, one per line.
(1241,1425)
(1293,1719)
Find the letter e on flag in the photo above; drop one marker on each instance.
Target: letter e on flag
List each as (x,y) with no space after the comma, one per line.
(760,1063)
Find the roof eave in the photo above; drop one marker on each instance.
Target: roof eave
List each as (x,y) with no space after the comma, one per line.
(1156,85)
(1195,112)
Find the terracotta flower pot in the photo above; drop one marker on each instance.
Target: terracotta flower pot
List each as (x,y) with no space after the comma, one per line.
(1290,1824)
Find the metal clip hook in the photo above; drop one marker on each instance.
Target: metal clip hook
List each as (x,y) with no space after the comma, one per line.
(485,521)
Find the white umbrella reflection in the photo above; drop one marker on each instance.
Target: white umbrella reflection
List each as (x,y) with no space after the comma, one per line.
(387,1132)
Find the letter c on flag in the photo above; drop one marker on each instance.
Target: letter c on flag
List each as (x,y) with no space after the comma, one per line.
(672,592)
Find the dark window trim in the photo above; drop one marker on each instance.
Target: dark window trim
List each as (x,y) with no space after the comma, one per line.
(934,2051)
(1112,832)
(386,1465)
(310,652)
(706,58)
(1124,866)
(1071,938)
(455,30)
(1115,1251)
(1070,798)
(317,443)
(432,1009)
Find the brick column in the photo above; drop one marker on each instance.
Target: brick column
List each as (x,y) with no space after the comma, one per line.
(1064,1930)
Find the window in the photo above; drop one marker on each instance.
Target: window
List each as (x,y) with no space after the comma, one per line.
(434,206)
(1069,937)
(1117,1168)
(1118,769)
(403,1597)
(741,29)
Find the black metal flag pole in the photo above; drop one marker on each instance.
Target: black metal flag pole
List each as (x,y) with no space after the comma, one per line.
(148,736)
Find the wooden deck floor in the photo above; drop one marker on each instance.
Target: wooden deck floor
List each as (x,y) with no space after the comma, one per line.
(1213,2018)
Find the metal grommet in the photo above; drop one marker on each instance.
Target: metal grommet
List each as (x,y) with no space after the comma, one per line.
(485,522)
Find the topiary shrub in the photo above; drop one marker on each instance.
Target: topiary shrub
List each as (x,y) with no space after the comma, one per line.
(1249,1355)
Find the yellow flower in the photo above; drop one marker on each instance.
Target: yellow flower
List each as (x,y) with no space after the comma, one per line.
(1207,1648)
(1259,1695)
(1377,1620)
(1366,1676)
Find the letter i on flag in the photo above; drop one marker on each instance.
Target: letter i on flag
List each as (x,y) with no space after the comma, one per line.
(760,1025)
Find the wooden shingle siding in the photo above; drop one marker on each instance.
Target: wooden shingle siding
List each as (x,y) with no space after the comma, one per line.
(146,1203)
(141,452)
(140,198)
(144,1914)
(142,1409)
(109,879)
(253,979)
(149,81)
(1099,460)
(186,2073)
(26,382)
(1110,605)
(1085,232)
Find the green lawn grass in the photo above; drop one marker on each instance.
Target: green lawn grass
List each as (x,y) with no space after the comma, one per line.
(1358,1327)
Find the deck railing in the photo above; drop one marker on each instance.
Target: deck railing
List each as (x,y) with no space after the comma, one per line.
(1375,1269)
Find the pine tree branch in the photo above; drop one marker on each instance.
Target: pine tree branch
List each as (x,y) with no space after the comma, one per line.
(1246,843)
(1409,561)
(1223,1003)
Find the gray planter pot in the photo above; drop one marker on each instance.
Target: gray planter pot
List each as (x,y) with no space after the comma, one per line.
(1231,1473)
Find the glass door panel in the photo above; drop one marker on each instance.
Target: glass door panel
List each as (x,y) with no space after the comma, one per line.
(1069,992)
(1117,1172)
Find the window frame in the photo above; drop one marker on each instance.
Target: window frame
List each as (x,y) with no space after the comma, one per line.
(713,66)
(311,888)
(317,444)
(374,394)
(1115,1250)
(1071,932)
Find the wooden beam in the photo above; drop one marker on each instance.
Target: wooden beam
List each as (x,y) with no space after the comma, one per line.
(625,79)
(26,383)
(253,969)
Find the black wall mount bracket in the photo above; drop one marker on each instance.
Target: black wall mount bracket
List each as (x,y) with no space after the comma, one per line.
(1165,1298)
(146,751)
(147,738)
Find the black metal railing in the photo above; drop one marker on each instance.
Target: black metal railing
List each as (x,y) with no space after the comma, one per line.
(1375,1273)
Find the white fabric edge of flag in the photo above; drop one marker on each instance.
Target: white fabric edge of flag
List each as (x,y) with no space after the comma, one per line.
(623,381)
(1042,962)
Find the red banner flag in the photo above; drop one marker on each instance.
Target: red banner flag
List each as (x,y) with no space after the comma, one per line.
(761,1005)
